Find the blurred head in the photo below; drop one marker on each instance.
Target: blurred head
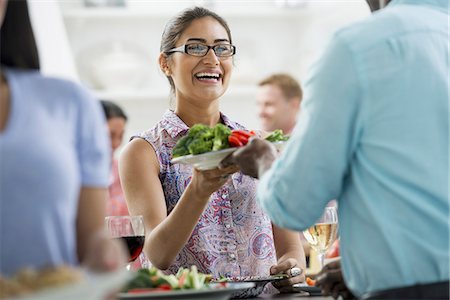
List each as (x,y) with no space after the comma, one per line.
(116,119)
(192,75)
(278,102)
(377,4)
(18,46)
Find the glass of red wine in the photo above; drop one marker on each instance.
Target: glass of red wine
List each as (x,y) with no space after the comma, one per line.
(130,230)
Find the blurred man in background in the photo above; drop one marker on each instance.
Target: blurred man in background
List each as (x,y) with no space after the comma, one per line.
(278,100)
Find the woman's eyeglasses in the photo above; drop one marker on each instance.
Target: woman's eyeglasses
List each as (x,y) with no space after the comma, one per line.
(198,49)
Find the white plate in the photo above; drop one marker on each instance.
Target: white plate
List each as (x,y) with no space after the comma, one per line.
(304,287)
(204,161)
(94,287)
(216,292)
(211,160)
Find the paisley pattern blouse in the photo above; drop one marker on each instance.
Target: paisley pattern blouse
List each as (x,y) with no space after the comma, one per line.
(233,236)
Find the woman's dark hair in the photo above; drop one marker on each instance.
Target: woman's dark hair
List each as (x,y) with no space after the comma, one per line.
(18,46)
(176,26)
(113,110)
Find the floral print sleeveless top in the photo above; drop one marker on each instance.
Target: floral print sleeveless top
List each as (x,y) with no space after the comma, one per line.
(233,237)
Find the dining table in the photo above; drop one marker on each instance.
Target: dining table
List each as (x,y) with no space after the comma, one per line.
(298,295)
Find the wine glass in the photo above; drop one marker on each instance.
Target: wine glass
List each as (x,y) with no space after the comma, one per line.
(322,234)
(130,230)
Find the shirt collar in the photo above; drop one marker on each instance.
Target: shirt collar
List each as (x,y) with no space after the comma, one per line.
(175,126)
(442,5)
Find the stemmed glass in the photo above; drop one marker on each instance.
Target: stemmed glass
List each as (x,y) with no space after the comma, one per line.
(322,234)
(129,229)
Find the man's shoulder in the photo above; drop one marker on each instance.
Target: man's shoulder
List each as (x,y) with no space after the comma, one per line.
(386,24)
(363,34)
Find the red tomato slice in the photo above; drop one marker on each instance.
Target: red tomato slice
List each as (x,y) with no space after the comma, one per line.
(234,141)
(165,287)
(243,139)
(245,133)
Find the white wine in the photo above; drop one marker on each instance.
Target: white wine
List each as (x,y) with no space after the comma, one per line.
(321,236)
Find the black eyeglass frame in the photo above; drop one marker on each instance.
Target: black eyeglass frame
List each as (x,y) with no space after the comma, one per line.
(183,49)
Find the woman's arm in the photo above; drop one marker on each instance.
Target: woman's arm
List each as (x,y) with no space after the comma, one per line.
(94,248)
(290,254)
(165,235)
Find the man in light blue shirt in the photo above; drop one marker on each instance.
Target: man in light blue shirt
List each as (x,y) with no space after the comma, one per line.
(373,132)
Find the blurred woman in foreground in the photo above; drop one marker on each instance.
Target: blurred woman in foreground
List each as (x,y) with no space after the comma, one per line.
(54,161)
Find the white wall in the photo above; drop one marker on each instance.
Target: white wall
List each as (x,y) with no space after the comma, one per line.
(55,53)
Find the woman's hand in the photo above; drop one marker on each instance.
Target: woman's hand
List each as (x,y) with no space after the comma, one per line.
(206,182)
(288,266)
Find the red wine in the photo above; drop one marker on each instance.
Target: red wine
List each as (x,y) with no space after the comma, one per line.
(134,244)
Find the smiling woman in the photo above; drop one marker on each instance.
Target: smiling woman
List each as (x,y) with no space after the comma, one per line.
(198,217)
(212,75)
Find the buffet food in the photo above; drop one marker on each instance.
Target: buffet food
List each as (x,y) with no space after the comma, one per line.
(30,280)
(152,279)
(310,281)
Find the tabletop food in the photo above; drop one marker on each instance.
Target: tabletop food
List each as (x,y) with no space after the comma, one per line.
(155,280)
(30,280)
(310,281)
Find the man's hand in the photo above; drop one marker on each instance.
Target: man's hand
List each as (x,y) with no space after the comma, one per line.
(331,281)
(254,159)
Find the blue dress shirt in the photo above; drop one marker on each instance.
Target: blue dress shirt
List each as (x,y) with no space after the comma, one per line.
(373,132)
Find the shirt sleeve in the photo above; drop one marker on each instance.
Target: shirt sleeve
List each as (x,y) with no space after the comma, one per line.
(93,144)
(314,164)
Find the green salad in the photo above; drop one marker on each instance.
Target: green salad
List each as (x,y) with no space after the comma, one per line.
(201,138)
(155,279)
(277,136)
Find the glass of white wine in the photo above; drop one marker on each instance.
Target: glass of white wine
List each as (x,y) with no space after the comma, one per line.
(321,235)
